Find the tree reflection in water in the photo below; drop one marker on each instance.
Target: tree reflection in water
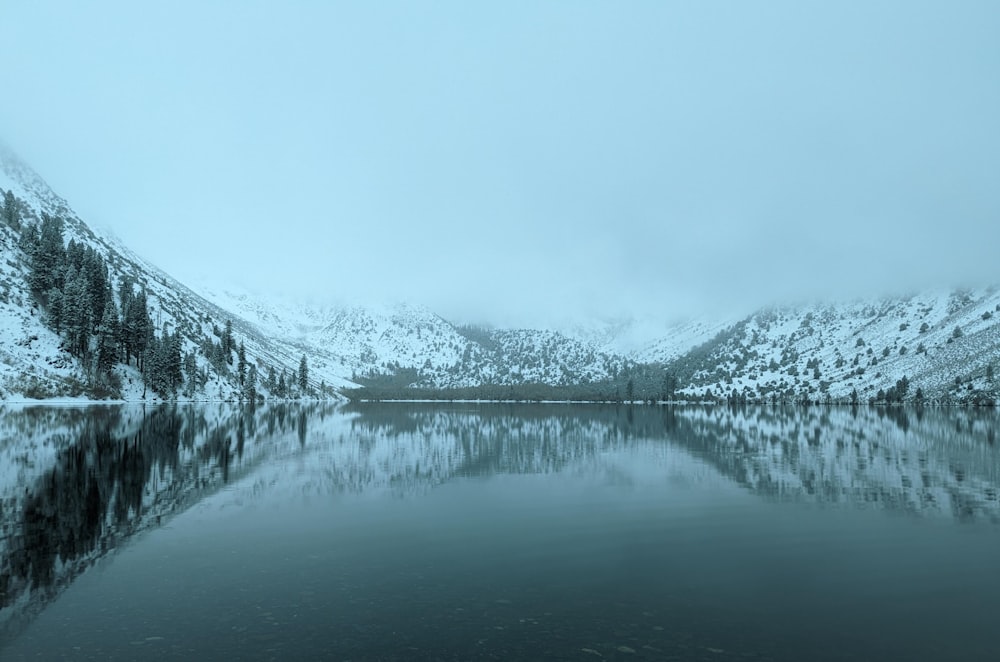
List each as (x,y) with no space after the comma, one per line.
(77,483)
(115,472)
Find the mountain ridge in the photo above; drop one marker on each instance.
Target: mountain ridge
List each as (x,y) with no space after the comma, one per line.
(910,347)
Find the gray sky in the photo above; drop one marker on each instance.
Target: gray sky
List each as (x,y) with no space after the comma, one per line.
(513,161)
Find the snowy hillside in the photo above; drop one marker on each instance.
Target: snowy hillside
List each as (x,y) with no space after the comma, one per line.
(946,344)
(815,352)
(34,360)
(376,338)
(646,339)
(678,339)
(398,341)
(279,317)
(421,348)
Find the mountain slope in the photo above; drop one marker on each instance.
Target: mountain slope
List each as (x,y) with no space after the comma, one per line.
(940,346)
(944,343)
(412,346)
(35,361)
(400,341)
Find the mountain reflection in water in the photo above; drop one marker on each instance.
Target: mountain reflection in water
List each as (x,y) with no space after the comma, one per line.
(78,484)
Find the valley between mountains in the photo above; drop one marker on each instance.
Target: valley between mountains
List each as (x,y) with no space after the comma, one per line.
(84,317)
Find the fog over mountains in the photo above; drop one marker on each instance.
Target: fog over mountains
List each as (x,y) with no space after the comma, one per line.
(931,345)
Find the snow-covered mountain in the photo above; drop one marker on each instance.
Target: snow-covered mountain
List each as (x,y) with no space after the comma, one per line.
(647,339)
(34,360)
(422,348)
(816,352)
(342,343)
(944,343)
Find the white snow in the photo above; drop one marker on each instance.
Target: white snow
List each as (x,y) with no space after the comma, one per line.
(751,356)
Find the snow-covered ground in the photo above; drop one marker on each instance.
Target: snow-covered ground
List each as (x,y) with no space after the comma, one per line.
(30,356)
(932,338)
(819,351)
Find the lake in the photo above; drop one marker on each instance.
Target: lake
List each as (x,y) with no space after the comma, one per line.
(498,532)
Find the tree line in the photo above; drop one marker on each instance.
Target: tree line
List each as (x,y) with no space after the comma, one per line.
(103,323)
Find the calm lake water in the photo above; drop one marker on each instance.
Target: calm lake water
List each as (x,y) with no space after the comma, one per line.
(493,532)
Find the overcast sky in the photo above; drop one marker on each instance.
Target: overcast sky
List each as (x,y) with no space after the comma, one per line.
(513,161)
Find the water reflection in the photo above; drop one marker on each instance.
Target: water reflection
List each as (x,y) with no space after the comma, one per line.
(76,484)
(928,462)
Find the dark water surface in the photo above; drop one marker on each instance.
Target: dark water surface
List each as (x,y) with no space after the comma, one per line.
(481,532)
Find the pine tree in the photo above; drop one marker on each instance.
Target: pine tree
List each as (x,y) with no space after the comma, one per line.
(250,389)
(227,342)
(76,320)
(162,367)
(172,360)
(668,386)
(29,240)
(222,359)
(74,254)
(95,272)
(191,376)
(241,366)
(303,375)
(107,334)
(11,213)
(139,328)
(48,256)
(152,367)
(125,296)
(55,297)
